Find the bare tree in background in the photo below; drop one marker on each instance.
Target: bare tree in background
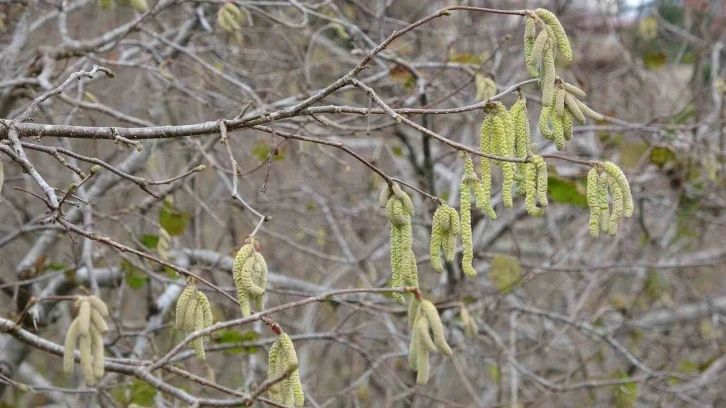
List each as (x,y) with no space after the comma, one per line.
(143,144)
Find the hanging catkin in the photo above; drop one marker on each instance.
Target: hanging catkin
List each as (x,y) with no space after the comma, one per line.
(529,38)
(249,262)
(425,318)
(560,37)
(87,329)
(282,357)
(193,313)
(399,210)
(468,181)
(483,199)
(593,201)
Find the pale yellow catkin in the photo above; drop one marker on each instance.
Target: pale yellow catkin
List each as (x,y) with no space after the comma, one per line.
(593,201)
(181,306)
(563,44)
(434,320)
(70,347)
(87,360)
(98,304)
(98,322)
(84,318)
(97,352)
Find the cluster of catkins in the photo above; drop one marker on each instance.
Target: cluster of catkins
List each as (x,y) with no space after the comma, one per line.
(250,276)
(559,99)
(282,357)
(445,227)
(598,184)
(193,313)
(399,210)
(422,316)
(230,18)
(506,134)
(88,329)
(485,86)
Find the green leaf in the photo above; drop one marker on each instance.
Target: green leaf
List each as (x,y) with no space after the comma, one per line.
(142,393)
(173,220)
(234,336)
(654,59)
(55,266)
(661,156)
(625,395)
(261,151)
(565,192)
(505,272)
(134,277)
(397,151)
(631,153)
(149,240)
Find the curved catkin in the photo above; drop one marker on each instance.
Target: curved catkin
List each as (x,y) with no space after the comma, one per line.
(190,314)
(603,200)
(593,201)
(97,352)
(87,360)
(261,271)
(84,318)
(529,31)
(530,188)
(498,142)
(574,107)
(587,111)
(544,126)
(246,278)
(622,181)
(405,199)
(396,213)
(567,125)
(542,180)
(466,234)
(560,101)
(272,357)
(560,36)
(538,49)
(99,305)
(233,10)
(437,234)
(507,183)
(434,321)
(293,382)
(547,81)
(384,196)
(98,322)
(206,307)
(522,141)
(70,347)
(574,90)
(181,306)
(413,308)
(558,133)
(617,194)
(198,343)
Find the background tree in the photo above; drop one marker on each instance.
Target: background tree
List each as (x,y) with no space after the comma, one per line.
(145,144)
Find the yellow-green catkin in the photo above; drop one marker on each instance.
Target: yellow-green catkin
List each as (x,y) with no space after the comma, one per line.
(603,200)
(140,5)
(449,244)
(542,180)
(499,134)
(538,49)
(563,44)
(399,210)
(558,133)
(423,318)
(468,324)
(560,101)
(282,357)
(567,126)
(544,123)
(485,86)
(587,111)
(617,195)
(87,328)
(614,171)
(250,289)
(84,318)
(483,199)
(530,188)
(593,201)
(439,221)
(226,18)
(529,38)
(547,80)
(574,90)
(574,107)
(466,233)
(181,306)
